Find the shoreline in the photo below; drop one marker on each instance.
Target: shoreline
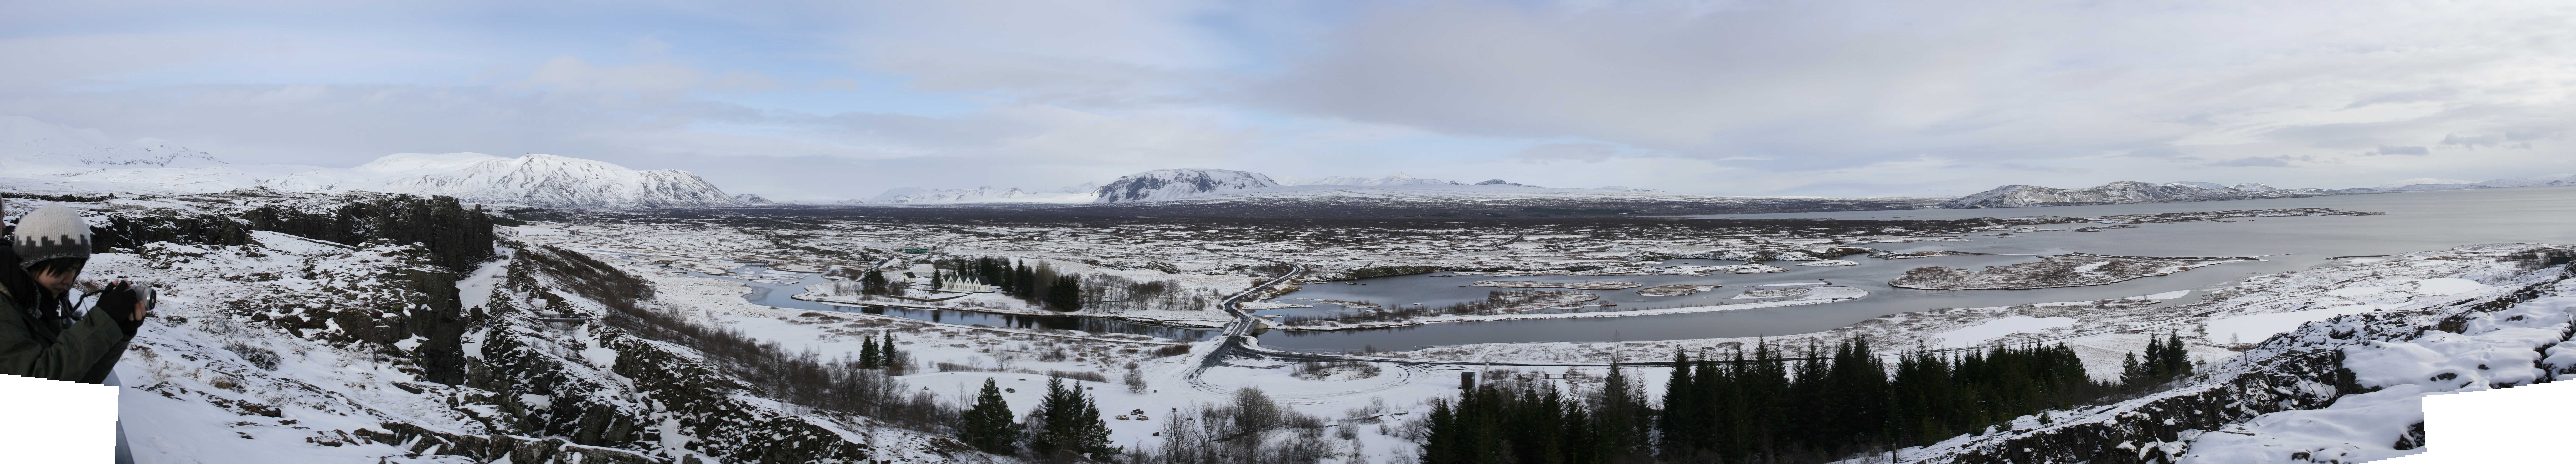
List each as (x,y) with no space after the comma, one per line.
(1514,317)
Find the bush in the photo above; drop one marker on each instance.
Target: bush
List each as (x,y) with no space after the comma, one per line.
(266,359)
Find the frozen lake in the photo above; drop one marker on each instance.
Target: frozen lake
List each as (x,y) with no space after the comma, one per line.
(2416,221)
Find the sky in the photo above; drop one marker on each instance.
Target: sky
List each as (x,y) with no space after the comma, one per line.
(843,99)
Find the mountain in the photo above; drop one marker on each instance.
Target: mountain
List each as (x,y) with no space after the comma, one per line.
(44,156)
(533,180)
(28,144)
(2552,180)
(1167,184)
(2422,181)
(2015,196)
(2427,183)
(752,199)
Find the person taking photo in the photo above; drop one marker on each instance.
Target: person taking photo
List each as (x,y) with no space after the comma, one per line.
(40,336)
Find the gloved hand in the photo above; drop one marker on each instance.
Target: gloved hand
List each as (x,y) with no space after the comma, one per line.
(123,303)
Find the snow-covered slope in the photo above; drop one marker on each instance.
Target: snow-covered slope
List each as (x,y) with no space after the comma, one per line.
(28,145)
(41,156)
(537,180)
(1167,184)
(2015,196)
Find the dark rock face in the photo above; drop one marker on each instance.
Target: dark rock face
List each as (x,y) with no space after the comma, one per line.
(458,238)
(722,423)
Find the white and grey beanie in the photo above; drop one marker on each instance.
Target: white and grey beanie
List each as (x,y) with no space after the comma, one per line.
(51,232)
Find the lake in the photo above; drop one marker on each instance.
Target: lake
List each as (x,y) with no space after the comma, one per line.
(2416,221)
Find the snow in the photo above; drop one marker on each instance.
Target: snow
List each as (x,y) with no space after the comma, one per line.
(2256,327)
(2492,351)
(2447,286)
(1829,262)
(2357,428)
(1168,184)
(1973,335)
(42,155)
(2354,291)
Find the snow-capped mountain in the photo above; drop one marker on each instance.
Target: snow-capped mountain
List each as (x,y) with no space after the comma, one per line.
(532,180)
(2015,196)
(1167,184)
(44,156)
(752,199)
(28,144)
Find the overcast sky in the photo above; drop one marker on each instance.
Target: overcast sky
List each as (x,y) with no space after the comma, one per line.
(839,99)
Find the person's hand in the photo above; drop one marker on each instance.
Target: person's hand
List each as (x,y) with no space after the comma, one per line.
(120,295)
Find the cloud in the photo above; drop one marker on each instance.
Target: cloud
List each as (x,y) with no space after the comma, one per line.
(2393,150)
(1765,97)
(57,61)
(2254,161)
(1585,152)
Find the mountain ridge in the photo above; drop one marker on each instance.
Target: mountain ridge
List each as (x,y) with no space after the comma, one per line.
(45,156)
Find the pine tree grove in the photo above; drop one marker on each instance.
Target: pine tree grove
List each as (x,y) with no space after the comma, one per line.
(1814,404)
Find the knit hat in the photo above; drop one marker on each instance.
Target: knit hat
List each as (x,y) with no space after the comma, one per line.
(51,232)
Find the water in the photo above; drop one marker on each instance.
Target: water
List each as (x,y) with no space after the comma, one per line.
(778,295)
(2416,221)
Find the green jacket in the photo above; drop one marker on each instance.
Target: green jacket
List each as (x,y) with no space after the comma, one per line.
(33,347)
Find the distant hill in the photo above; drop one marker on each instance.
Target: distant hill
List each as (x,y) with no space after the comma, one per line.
(2016,196)
(45,156)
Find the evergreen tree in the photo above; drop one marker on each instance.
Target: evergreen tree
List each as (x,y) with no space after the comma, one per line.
(886,355)
(1072,426)
(1065,293)
(1620,429)
(2131,372)
(1680,406)
(873,282)
(869,357)
(987,426)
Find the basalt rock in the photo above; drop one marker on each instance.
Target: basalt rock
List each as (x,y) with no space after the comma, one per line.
(2301,369)
(458,238)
